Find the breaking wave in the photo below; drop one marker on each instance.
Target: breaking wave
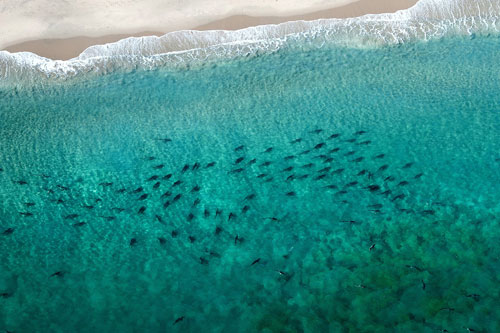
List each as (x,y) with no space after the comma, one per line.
(428,19)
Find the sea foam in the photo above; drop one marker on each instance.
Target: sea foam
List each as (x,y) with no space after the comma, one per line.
(428,19)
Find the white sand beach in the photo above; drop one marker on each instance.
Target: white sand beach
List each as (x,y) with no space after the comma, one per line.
(60,29)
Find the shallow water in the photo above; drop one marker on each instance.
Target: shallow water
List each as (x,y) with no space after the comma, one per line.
(422,257)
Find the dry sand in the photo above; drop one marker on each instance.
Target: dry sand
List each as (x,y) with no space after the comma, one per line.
(66,48)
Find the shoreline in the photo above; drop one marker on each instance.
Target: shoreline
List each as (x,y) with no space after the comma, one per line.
(67,48)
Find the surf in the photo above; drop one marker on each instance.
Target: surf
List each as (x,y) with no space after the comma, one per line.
(427,20)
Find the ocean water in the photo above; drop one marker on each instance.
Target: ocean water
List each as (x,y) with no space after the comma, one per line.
(328,189)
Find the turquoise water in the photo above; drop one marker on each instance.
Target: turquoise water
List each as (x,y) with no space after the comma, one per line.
(383,218)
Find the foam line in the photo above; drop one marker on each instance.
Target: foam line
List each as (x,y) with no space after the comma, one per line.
(428,19)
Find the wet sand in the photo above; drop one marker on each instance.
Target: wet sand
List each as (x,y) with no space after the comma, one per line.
(66,48)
